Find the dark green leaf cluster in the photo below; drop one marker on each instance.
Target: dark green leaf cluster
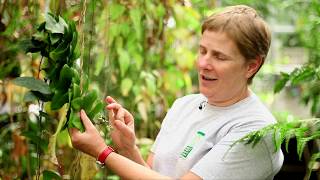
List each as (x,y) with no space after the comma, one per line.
(56,41)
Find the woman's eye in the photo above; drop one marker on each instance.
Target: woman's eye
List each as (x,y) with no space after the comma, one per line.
(221,57)
(202,51)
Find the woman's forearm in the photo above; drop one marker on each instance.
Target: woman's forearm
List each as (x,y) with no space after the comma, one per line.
(134,155)
(128,169)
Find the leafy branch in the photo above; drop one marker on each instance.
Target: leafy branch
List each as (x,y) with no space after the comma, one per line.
(56,40)
(283,131)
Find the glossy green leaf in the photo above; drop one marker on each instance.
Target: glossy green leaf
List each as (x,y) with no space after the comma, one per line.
(89,99)
(135,15)
(85,82)
(74,36)
(65,78)
(51,175)
(138,60)
(125,29)
(96,109)
(41,96)
(99,64)
(303,74)
(116,10)
(76,90)
(53,25)
(281,82)
(29,97)
(28,46)
(126,85)
(40,36)
(59,99)
(76,104)
(114,32)
(75,55)
(54,38)
(61,52)
(36,139)
(151,84)
(124,61)
(75,76)
(75,122)
(32,84)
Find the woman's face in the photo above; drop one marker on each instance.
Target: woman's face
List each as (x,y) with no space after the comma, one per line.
(222,70)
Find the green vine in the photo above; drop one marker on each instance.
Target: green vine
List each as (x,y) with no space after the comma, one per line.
(62,87)
(56,40)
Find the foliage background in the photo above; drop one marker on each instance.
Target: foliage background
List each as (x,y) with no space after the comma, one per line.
(142,53)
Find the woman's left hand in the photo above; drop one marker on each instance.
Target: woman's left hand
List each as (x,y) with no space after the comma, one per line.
(90,141)
(122,134)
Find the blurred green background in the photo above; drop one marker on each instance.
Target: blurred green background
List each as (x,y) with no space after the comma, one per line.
(142,53)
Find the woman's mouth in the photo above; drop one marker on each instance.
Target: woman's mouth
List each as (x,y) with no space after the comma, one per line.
(208,78)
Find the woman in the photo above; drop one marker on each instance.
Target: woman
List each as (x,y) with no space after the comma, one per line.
(197,132)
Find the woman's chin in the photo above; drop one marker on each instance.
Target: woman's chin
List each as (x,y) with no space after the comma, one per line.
(206,92)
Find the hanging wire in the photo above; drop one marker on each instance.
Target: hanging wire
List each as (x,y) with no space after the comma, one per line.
(108,69)
(82,21)
(91,34)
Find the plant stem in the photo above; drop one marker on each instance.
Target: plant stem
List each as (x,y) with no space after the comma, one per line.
(38,143)
(40,127)
(39,69)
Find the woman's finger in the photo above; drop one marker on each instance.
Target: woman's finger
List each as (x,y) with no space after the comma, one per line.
(128,117)
(113,106)
(124,129)
(85,120)
(120,114)
(110,100)
(111,118)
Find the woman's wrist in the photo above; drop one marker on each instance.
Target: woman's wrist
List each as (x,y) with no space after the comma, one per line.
(104,154)
(128,151)
(99,150)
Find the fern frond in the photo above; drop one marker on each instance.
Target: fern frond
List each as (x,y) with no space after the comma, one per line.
(311,164)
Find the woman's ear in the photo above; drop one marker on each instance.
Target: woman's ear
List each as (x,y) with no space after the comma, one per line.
(253,66)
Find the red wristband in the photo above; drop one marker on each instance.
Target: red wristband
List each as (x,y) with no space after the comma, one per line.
(104,154)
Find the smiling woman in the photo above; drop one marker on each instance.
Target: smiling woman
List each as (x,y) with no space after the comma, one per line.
(223,71)
(197,133)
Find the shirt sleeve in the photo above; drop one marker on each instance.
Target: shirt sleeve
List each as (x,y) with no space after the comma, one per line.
(239,162)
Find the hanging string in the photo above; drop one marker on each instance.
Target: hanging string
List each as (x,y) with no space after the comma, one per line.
(91,34)
(108,69)
(82,21)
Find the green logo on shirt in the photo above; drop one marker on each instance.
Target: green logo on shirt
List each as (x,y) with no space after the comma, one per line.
(186,151)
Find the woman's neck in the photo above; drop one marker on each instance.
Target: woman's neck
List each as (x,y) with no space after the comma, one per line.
(244,93)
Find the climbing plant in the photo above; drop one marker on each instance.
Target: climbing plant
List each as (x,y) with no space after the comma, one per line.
(63,85)
(130,50)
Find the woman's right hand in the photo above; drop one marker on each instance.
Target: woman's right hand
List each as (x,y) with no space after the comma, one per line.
(122,123)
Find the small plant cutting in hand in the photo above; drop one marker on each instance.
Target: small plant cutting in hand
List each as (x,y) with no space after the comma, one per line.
(63,86)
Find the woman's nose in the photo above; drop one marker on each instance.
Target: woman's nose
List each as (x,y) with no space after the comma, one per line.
(203,62)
